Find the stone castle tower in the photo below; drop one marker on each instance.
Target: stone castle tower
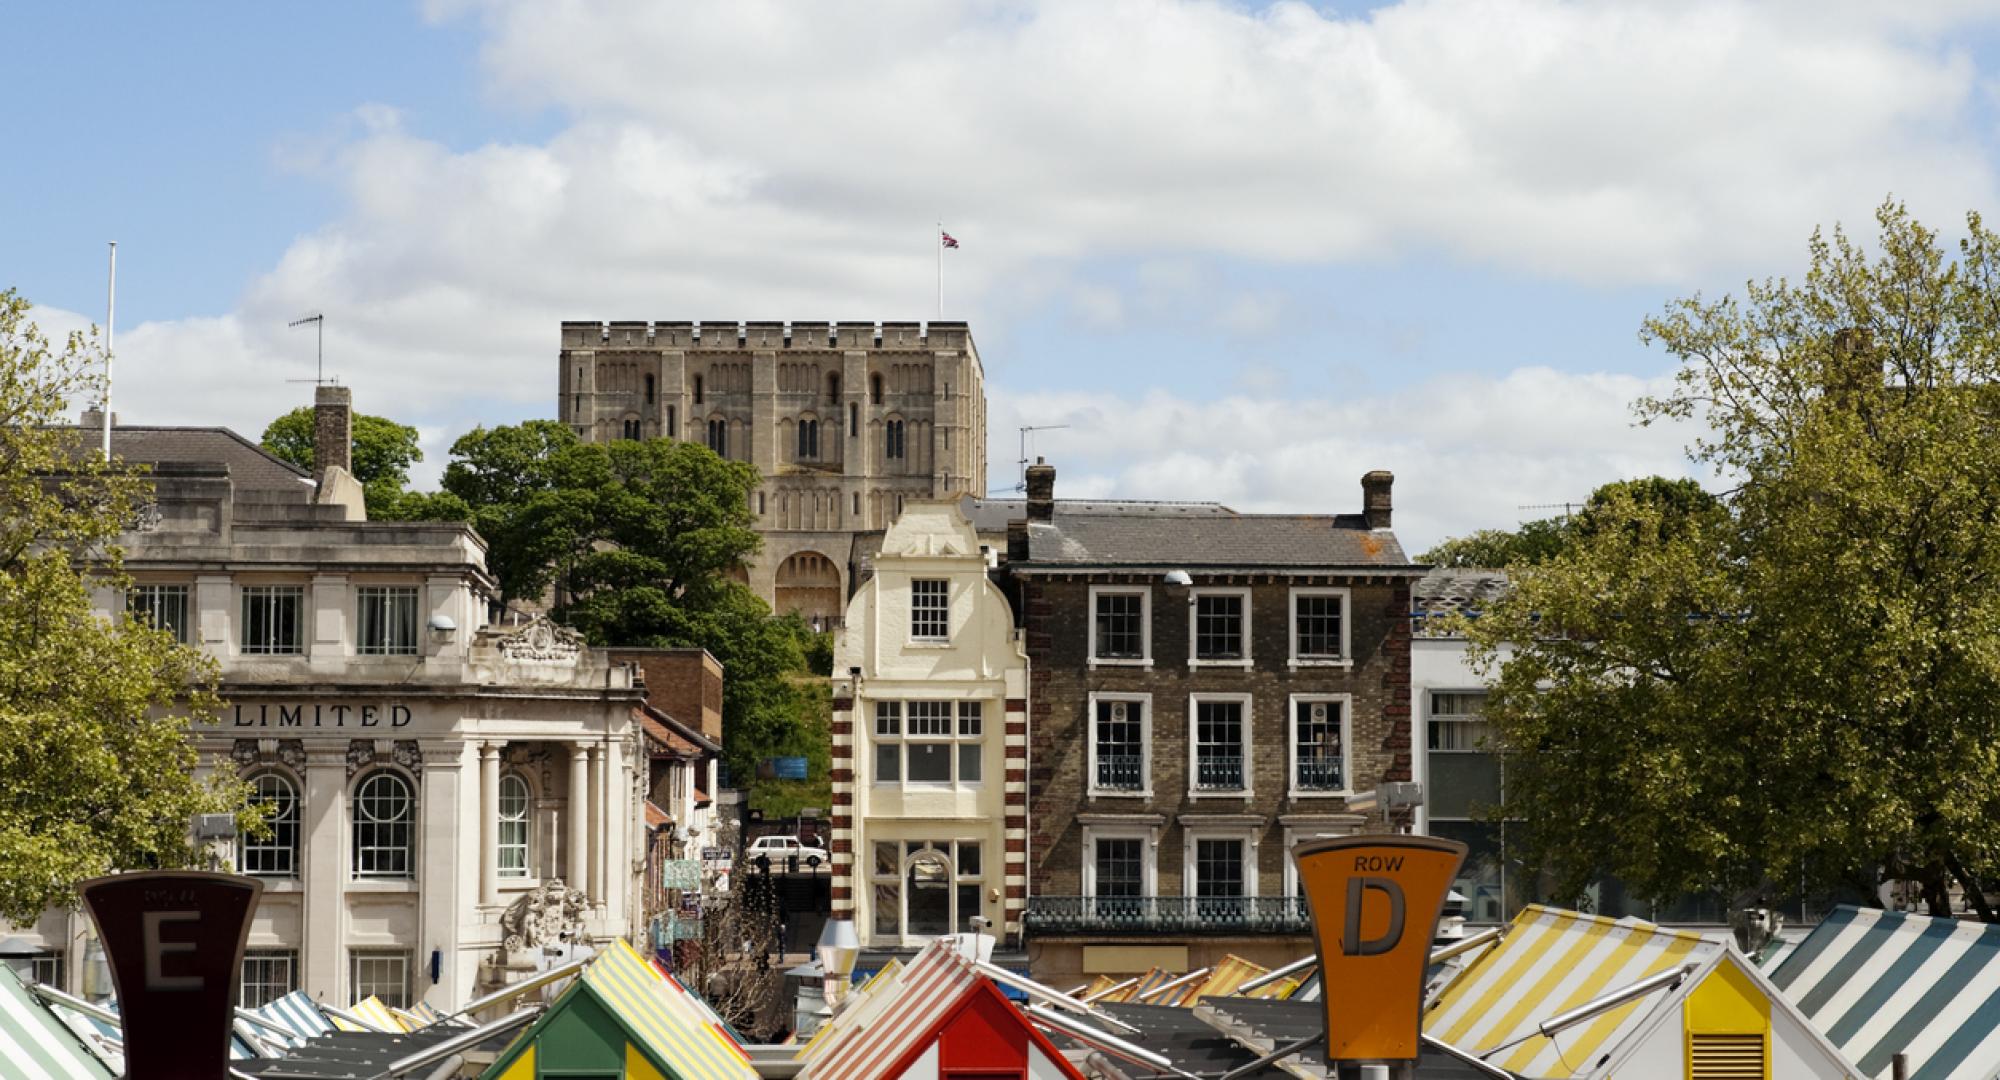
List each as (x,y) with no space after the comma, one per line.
(844,421)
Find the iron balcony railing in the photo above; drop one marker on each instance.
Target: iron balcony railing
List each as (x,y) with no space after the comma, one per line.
(1216,772)
(1122,772)
(1167,914)
(1319,774)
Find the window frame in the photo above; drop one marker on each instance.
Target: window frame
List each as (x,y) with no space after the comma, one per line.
(290,957)
(526,824)
(1346,703)
(386,595)
(1145,788)
(293,851)
(908,851)
(1431,694)
(267,592)
(154,590)
(357,955)
(1194,623)
(1191,835)
(1346,657)
(1148,836)
(1145,657)
(355,825)
(918,611)
(1244,702)
(956,739)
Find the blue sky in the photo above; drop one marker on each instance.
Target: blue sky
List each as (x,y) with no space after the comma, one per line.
(1247,252)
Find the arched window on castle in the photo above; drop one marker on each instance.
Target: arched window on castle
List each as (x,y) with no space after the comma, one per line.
(853,420)
(673,430)
(875,389)
(833,387)
(892,440)
(632,428)
(718,437)
(649,389)
(697,389)
(808,440)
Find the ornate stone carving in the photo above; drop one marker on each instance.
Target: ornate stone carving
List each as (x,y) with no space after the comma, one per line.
(249,753)
(360,755)
(550,914)
(408,754)
(292,753)
(244,753)
(146,516)
(541,641)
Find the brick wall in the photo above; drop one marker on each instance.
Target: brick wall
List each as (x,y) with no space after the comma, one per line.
(1057,614)
(686,684)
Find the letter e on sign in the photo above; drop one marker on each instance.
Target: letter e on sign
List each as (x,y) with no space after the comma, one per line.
(1375,903)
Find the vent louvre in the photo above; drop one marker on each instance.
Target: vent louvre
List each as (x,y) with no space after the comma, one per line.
(1726,1057)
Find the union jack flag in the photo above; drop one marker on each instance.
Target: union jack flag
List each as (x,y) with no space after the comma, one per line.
(946,239)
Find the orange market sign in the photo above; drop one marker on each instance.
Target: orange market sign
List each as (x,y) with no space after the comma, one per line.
(1375,903)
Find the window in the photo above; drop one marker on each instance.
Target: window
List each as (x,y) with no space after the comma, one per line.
(379,973)
(930,609)
(925,888)
(1319,744)
(875,389)
(1120,746)
(1118,878)
(273,618)
(44,968)
(384,813)
(1221,621)
(1218,878)
(268,974)
(673,429)
(1121,629)
(631,431)
(387,625)
(1319,626)
(833,387)
(164,607)
(276,855)
(649,389)
(1458,722)
(1220,744)
(933,749)
(697,389)
(808,441)
(853,420)
(892,440)
(718,437)
(513,827)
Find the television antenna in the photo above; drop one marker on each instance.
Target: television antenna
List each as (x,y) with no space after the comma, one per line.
(1022,486)
(319,345)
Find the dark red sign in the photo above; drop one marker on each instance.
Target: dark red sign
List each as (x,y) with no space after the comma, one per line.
(174,939)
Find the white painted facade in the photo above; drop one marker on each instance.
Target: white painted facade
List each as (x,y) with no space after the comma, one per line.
(930,740)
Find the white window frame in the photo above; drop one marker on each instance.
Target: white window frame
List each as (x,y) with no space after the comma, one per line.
(905,856)
(1346,657)
(1148,836)
(1346,703)
(1194,605)
(1145,594)
(1193,728)
(355,872)
(275,844)
(290,958)
(955,738)
(357,956)
(1192,833)
(1145,788)
(263,592)
(1431,716)
(392,603)
(929,639)
(153,593)
(526,822)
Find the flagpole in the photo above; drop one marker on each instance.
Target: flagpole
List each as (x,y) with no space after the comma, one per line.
(937,241)
(110,336)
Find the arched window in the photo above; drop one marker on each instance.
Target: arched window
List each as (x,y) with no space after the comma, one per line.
(927,895)
(853,419)
(632,429)
(892,440)
(718,437)
(276,855)
(513,830)
(673,430)
(808,440)
(833,387)
(649,389)
(875,389)
(385,815)
(697,389)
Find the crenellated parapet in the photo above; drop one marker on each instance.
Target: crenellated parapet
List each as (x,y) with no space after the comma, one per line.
(765,336)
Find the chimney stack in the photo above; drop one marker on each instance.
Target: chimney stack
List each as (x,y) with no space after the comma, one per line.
(333,429)
(1041,491)
(1375,504)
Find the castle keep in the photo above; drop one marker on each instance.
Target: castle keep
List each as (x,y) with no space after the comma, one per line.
(844,421)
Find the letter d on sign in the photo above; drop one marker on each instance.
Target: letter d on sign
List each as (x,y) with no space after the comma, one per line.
(1375,904)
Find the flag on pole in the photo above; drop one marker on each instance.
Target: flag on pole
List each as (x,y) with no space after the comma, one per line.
(945,238)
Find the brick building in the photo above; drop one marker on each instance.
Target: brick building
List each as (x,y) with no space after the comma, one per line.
(844,421)
(1205,692)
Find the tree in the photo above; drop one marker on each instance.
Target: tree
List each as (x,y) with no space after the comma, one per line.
(1539,541)
(382,453)
(1800,682)
(638,543)
(96,769)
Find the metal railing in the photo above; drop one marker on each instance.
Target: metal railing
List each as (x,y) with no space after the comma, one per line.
(1320,774)
(1167,914)
(1216,772)
(1121,772)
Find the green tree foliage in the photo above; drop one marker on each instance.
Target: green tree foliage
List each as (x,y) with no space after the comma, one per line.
(97,772)
(1799,684)
(1541,540)
(638,544)
(383,451)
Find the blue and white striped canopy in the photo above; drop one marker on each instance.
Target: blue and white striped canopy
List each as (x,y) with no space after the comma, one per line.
(1879,982)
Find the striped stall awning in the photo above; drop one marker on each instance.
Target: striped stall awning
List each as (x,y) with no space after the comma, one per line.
(1880,982)
(640,996)
(34,1045)
(297,1013)
(870,1035)
(857,998)
(1551,961)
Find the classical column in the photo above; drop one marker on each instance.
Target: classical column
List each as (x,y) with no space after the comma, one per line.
(618,824)
(323,882)
(489,824)
(598,849)
(579,816)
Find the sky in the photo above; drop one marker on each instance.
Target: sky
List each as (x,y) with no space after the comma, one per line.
(1243,252)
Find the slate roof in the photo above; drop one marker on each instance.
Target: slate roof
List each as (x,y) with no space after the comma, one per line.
(251,467)
(1444,592)
(992,515)
(1301,541)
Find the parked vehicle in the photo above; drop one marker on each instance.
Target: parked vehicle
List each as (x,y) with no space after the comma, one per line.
(781,849)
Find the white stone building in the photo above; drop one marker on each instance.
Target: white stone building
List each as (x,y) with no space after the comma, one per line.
(426,770)
(929,741)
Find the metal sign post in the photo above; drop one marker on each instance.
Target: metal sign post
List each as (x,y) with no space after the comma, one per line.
(174,939)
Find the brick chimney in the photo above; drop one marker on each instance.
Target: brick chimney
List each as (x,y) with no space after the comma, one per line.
(333,429)
(1375,504)
(1041,491)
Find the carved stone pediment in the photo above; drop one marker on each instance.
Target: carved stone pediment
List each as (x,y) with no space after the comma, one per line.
(542,641)
(548,915)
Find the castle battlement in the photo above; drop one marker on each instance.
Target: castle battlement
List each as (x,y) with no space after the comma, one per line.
(765,336)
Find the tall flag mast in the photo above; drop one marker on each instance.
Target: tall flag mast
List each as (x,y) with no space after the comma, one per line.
(110,336)
(944,241)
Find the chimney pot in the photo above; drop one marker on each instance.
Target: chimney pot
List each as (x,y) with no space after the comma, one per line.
(1041,491)
(1375,501)
(333,429)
